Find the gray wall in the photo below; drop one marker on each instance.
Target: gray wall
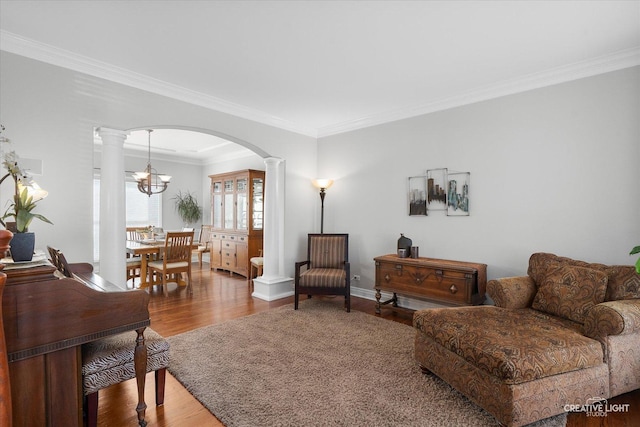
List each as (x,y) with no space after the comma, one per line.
(555,169)
(50,114)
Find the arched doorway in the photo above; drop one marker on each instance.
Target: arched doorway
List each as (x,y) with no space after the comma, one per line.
(113,167)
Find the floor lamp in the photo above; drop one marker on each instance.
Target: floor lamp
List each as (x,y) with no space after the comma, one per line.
(322,184)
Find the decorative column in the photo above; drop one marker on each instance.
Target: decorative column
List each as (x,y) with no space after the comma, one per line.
(273,284)
(112,207)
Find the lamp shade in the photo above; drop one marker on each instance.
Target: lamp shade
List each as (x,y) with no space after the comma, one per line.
(322,183)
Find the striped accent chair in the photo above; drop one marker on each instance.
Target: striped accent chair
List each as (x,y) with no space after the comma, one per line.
(326,271)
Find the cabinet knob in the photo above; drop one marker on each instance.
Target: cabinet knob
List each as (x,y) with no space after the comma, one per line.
(453,289)
(387,278)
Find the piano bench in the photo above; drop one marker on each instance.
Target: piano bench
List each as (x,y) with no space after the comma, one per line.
(109,361)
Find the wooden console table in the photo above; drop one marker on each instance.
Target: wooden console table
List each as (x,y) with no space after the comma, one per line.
(444,281)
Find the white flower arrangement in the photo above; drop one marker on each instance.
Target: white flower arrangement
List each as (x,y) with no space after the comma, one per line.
(23,202)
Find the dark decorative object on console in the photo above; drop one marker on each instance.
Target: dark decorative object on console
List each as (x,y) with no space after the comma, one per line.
(404,246)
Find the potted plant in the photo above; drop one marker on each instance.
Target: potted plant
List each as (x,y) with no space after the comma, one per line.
(187,206)
(24,202)
(634,251)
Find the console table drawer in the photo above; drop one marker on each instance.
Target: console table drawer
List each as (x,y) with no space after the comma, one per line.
(446,285)
(446,281)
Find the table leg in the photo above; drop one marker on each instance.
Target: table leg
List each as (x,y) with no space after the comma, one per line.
(144,271)
(140,362)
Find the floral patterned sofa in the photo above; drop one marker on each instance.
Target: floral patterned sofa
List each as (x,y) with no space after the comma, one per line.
(565,334)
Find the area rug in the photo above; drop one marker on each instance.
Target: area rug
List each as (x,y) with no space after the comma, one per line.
(317,366)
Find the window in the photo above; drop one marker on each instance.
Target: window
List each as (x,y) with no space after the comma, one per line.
(141,211)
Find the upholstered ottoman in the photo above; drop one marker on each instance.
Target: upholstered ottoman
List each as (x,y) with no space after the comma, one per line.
(520,365)
(110,360)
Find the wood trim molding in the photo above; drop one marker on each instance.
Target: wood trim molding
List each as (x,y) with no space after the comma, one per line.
(60,345)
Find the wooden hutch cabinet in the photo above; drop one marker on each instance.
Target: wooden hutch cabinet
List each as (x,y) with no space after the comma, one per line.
(237,218)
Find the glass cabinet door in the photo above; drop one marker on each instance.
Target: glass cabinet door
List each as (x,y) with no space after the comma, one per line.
(237,202)
(228,204)
(216,204)
(257,203)
(241,204)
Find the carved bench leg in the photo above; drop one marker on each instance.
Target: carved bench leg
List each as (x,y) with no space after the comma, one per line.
(92,409)
(140,363)
(160,380)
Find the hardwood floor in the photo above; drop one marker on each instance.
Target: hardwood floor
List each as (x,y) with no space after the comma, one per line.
(216,298)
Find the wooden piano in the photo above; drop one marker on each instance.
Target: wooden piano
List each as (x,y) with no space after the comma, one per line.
(46,321)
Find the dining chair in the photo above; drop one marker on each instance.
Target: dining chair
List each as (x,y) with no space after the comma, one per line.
(133,263)
(257,263)
(327,268)
(176,259)
(133,234)
(203,243)
(133,267)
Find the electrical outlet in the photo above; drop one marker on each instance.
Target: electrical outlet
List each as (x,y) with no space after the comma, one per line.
(356,277)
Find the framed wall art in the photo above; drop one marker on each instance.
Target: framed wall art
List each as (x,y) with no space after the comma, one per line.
(417,195)
(436,189)
(458,193)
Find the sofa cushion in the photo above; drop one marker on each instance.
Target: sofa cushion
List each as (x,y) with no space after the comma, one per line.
(514,345)
(624,282)
(568,291)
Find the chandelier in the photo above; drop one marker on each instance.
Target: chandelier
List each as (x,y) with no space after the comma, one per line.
(149,181)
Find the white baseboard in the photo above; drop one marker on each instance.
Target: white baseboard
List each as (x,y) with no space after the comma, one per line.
(271,289)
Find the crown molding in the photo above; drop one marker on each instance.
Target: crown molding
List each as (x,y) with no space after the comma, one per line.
(604,64)
(18,45)
(46,53)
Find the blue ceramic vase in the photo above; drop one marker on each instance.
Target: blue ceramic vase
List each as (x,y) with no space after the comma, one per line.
(22,246)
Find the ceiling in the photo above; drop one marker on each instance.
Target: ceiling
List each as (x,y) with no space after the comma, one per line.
(182,145)
(324,67)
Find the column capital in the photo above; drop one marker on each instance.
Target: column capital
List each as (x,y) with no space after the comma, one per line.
(273,161)
(110,132)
